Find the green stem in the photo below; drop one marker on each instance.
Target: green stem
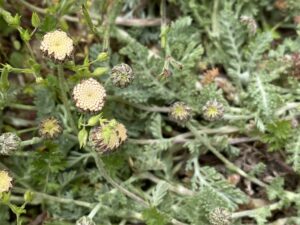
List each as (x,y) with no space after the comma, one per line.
(21,106)
(94,211)
(42,196)
(227,163)
(63,86)
(103,172)
(32,141)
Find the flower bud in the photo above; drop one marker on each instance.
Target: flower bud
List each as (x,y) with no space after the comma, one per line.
(9,142)
(122,75)
(219,216)
(107,137)
(180,112)
(213,110)
(85,221)
(50,128)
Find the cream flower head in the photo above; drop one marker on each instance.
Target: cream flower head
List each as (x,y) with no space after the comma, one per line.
(5,181)
(57,44)
(89,95)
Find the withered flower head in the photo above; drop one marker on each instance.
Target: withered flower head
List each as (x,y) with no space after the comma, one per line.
(57,45)
(210,75)
(50,128)
(250,23)
(122,75)
(9,142)
(180,112)
(108,136)
(220,216)
(89,96)
(85,221)
(213,110)
(5,181)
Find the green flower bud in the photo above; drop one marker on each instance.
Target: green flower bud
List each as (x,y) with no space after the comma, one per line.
(122,75)
(103,56)
(9,142)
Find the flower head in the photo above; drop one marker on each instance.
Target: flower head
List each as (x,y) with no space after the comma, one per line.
(57,44)
(122,75)
(213,110)
(9,142)
(5,181)
(250,23)
(50,128)
(220,216)
(89,95)
(180,112)
(85,221)
(108,136)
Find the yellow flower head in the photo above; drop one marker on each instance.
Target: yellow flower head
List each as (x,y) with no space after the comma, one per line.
(50,128)
(108,136)
(89,95)
(213,110)
(5,181)
(180,112)
(57,44)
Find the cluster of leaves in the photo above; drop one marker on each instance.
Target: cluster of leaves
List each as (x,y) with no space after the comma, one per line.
(166,173)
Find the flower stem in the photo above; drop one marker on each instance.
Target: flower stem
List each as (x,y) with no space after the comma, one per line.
(32,141)
(228,164)
(63,91)
(103,172)
(94,211)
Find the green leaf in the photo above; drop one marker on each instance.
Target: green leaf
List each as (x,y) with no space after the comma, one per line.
(48,24)
(276,188)
(153,217)
(35,20)
(277,134)
(159,192)
(293,150)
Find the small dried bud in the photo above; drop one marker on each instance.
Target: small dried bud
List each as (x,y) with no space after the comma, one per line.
(57,45)
(213,110)
(281,4)
(85,221)
(250,23)
(9,142)
(219,216)
(89,96)
(180,112)
(122,75)
(210,75)
(50,128)
(295,64)
(5,181)
(107,137)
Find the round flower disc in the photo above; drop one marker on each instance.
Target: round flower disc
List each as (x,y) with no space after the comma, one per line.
(57,44)
(89,95)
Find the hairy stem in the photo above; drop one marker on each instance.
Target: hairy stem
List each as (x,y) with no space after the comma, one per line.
(63,86)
